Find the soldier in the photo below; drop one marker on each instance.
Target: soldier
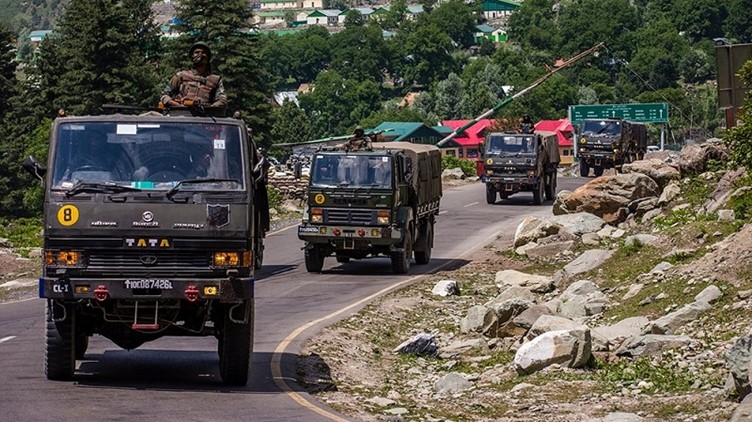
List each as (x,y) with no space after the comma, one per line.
(358,141)
(196,86)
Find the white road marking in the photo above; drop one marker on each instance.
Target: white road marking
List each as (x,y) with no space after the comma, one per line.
(443,212)
(4,339)
(470,205)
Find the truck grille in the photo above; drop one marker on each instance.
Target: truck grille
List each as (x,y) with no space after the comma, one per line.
(158,260)
(346,216)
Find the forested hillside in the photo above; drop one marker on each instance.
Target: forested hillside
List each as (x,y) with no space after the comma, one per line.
(112,51)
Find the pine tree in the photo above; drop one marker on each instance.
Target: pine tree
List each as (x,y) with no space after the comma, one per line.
(7,67)
(101,52)
(235,56)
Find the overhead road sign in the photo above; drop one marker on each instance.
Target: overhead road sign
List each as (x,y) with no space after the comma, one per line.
(635,112)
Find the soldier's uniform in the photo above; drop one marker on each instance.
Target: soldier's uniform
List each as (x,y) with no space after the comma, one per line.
(193,87)
(359,141)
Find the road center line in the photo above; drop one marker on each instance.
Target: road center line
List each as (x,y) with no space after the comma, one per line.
(470,205)
(4,339)
(443,212)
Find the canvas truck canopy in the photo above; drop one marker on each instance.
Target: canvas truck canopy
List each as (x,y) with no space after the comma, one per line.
(549,145)
(426,167)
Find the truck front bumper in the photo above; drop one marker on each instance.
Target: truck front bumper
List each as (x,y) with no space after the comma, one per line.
(350,237)
(147,288)
(512,185)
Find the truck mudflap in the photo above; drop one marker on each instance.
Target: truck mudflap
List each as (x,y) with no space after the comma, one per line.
(350,236)
(222,289)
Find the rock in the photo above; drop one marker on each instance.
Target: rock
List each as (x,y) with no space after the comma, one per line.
(591,239)
(661,267)
(737,361)
(521,386)
(626,328)
(604,196)
(579,223)
(421,344)
(479,319)
(547,251)
(642,239)
(743,412)
(694,157)
(452,383)
(579,288)
(528,317)
(634,290)
(621,417)
(460,347)
(446,288)
(536,283)
(587,261)
(546,323)
(570,348)
(651,215)
(513,292)
(670,192)
(668,324)
(380,401)
(453,174)
(533,228)
(710,294)
(652,345)
(655,168)
(723,190)
(726,215)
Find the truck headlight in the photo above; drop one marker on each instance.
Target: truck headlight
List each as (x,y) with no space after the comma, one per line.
(583,149)
(226,259)
(317,215)
(382,217)
(489,172)
(63,258)
(531,173)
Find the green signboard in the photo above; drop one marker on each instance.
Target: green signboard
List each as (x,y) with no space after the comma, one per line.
(637,112)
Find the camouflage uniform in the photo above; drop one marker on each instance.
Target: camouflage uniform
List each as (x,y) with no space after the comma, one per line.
(194,85)
(359,141)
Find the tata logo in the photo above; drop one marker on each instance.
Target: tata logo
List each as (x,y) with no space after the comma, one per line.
(148,243)
(148,259)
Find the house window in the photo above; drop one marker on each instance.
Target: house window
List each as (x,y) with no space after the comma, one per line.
(566,152)
(312,5)
(450,152)
(472,153)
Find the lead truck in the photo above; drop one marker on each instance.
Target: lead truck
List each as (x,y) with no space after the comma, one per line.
(369,203)
(153,226)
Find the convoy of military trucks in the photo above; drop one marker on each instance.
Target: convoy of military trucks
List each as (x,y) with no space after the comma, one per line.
(609,143)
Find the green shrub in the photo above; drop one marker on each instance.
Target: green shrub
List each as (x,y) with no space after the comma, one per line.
(451,162)
(275,197)
(742,203)
(23,233)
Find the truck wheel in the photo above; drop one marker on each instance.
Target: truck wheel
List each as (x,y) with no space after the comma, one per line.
(314,259)
(258,258)
(584,169)
(539,192)
(236,345)
(424,256)
(59,350)
(598,171)
(490,195)
(343,259)
(401,260)
(551,186)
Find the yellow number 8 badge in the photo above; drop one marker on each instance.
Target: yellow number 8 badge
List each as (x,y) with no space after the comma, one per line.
(67,215)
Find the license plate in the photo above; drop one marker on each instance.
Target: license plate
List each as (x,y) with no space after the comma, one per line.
(308,229)
(348,234)
(149,283)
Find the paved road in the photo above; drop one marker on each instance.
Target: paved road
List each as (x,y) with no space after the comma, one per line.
(177,379)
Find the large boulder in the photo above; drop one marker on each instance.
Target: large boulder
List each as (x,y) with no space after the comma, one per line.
(533,228)
(608,196)
(723,190)
(655,168)
(737,360)
(695,157)
(570,348)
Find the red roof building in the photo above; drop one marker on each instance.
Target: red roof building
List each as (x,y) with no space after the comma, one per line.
(564,133)
(467,144)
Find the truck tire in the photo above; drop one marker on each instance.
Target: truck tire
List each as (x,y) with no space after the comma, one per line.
(424,256)
(539,192)
(584,169)
(314,259)
(490,194)
(401,260)
(551,186)
(59,350)
(236,345)
(598,171)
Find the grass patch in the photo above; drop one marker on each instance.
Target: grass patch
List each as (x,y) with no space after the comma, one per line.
(626,373)
(23,233)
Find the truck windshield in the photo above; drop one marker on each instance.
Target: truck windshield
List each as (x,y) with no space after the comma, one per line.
(601,127)
(498,144)
(352,170)
(147,155)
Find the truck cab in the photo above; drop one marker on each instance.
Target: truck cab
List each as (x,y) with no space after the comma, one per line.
(609,143)
(153,226)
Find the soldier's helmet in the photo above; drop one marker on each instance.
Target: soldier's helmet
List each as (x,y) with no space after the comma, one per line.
(359,131)
(202,45)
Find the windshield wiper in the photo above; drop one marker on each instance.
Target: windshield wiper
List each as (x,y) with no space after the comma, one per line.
(99,187)
(170,193)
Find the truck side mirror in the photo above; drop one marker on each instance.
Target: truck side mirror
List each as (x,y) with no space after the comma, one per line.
(407,168)
(260,169)
(34,167)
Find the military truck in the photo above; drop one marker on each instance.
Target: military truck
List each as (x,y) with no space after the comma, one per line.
(153,226)
(367,203)
(609,143)
(520,162)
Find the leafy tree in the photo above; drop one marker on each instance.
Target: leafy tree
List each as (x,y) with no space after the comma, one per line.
(101,52)
(224,25)
(361,53)
(337,104)
(291,124)
(353,18)
(395,16)
(442,101)
(740,137)
(421,54)
(7,68)
(586,23)
(295,59)
(457,20)
(737,25)
(533,25)
(699,19)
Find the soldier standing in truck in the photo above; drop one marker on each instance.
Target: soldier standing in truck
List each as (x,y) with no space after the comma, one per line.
(196,86)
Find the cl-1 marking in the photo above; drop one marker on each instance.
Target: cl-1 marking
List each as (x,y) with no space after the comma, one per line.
(148,283)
